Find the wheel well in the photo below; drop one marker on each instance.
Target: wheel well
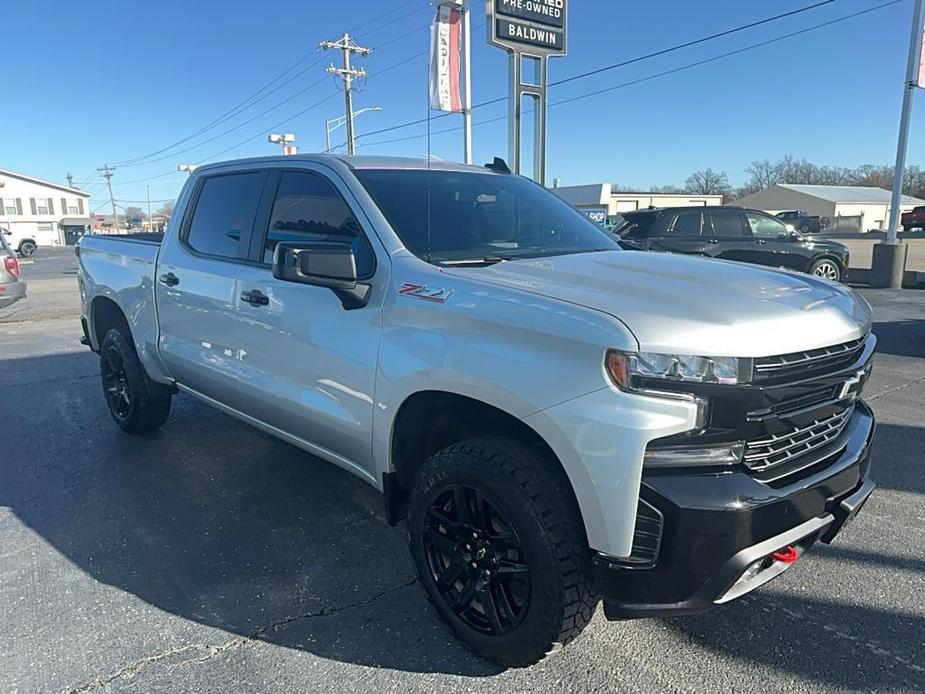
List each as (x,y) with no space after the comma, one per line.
(430,421)
(105,315)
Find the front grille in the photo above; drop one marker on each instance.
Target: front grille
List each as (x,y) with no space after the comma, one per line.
(798,365)
(768,452)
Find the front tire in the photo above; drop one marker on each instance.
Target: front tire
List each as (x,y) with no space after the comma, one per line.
(500,549)
(136,404)
(827,269)
(27,249)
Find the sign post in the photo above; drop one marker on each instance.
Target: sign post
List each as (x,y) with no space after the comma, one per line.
(531,31)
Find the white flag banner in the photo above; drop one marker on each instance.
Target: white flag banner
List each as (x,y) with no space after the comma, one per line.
(920,82)
(445,41)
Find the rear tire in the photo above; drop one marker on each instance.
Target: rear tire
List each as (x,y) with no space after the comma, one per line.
(27,249)
(500,549)
(137,404)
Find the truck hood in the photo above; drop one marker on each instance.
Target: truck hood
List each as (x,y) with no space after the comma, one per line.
(689,305)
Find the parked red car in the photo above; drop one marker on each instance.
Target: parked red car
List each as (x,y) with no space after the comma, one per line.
(913,220)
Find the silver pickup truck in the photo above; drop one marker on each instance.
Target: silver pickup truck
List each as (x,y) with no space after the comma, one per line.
(558,421)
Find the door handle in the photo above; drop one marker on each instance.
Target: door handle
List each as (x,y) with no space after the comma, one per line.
(761,241)
(170,279)
(255,297)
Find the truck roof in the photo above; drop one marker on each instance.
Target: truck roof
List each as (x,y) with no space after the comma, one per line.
(359,162)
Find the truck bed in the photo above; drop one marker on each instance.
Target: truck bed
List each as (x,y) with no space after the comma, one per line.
(121,269)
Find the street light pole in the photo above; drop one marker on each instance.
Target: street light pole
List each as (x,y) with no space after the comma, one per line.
(889,258)
(339,121)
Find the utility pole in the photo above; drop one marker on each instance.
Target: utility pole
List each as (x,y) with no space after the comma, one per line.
(150,218)
(347,73)
(888,264)
(70,179)
(107,170)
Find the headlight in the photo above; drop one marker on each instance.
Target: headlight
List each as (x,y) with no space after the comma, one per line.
(692,456)
(628,370)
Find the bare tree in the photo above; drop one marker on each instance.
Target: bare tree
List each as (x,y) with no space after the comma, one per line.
(166,209)
(763,174)
(707,182)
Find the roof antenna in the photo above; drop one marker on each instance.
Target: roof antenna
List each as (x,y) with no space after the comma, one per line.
(498,165)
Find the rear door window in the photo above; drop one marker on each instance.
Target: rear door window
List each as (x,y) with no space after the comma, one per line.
(309,208)
(224,215)
(687,223)
(727,223)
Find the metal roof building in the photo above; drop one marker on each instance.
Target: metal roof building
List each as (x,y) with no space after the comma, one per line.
(871,206)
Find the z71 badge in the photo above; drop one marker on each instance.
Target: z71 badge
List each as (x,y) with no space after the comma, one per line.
(420,291)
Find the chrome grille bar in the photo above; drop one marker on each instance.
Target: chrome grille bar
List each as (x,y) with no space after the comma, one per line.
(780,448)
(814,358)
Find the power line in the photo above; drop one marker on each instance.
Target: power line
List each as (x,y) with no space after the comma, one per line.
(252,100)
(663,73)
(242,142)
(637,59)
(688,44)
(232,112)
(233,128)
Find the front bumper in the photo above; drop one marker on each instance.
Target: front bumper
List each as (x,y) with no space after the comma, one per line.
(717,525)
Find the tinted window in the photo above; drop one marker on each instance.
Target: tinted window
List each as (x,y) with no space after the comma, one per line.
(309,208)
(461,216)
(686,224)
(727,223)
(224,213)
(765,226)
(636,226)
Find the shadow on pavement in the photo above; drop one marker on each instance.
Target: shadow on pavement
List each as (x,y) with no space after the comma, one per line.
(214,522)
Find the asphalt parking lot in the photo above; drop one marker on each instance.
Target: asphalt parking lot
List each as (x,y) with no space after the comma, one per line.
(209,557)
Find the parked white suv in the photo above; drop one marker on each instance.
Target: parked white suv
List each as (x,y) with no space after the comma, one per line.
(24,245)
(558,420)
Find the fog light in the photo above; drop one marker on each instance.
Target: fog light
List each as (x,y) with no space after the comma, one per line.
(695,456)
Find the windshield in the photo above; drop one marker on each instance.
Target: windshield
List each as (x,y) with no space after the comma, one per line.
(479,218)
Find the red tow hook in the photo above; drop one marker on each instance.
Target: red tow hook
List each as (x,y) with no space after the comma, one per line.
(787,555)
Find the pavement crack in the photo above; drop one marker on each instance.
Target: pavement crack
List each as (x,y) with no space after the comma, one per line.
(897,388)
(132,669)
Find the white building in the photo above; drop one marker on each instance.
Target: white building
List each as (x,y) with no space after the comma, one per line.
(601,200)
(49,213)
(870,207)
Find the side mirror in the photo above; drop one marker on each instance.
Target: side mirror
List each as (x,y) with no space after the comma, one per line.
(790,228)
(323,264)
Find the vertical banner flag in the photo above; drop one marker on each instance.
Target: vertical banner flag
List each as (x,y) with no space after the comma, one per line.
(920,82)
(445,38)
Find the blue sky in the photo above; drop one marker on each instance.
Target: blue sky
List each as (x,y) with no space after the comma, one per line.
(88,83)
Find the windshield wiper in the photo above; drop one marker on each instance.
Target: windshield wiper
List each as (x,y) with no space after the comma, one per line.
(484,261)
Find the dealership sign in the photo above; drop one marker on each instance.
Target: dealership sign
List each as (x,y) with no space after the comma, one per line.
(534,27)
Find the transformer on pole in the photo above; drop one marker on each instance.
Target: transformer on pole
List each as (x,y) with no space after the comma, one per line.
(348,74)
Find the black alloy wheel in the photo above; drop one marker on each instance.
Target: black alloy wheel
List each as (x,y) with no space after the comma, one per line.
(500,549)
(115,383)
(27,249)
(137,404)
(476,560)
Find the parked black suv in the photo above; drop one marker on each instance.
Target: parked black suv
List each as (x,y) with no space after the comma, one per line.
(732,233)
